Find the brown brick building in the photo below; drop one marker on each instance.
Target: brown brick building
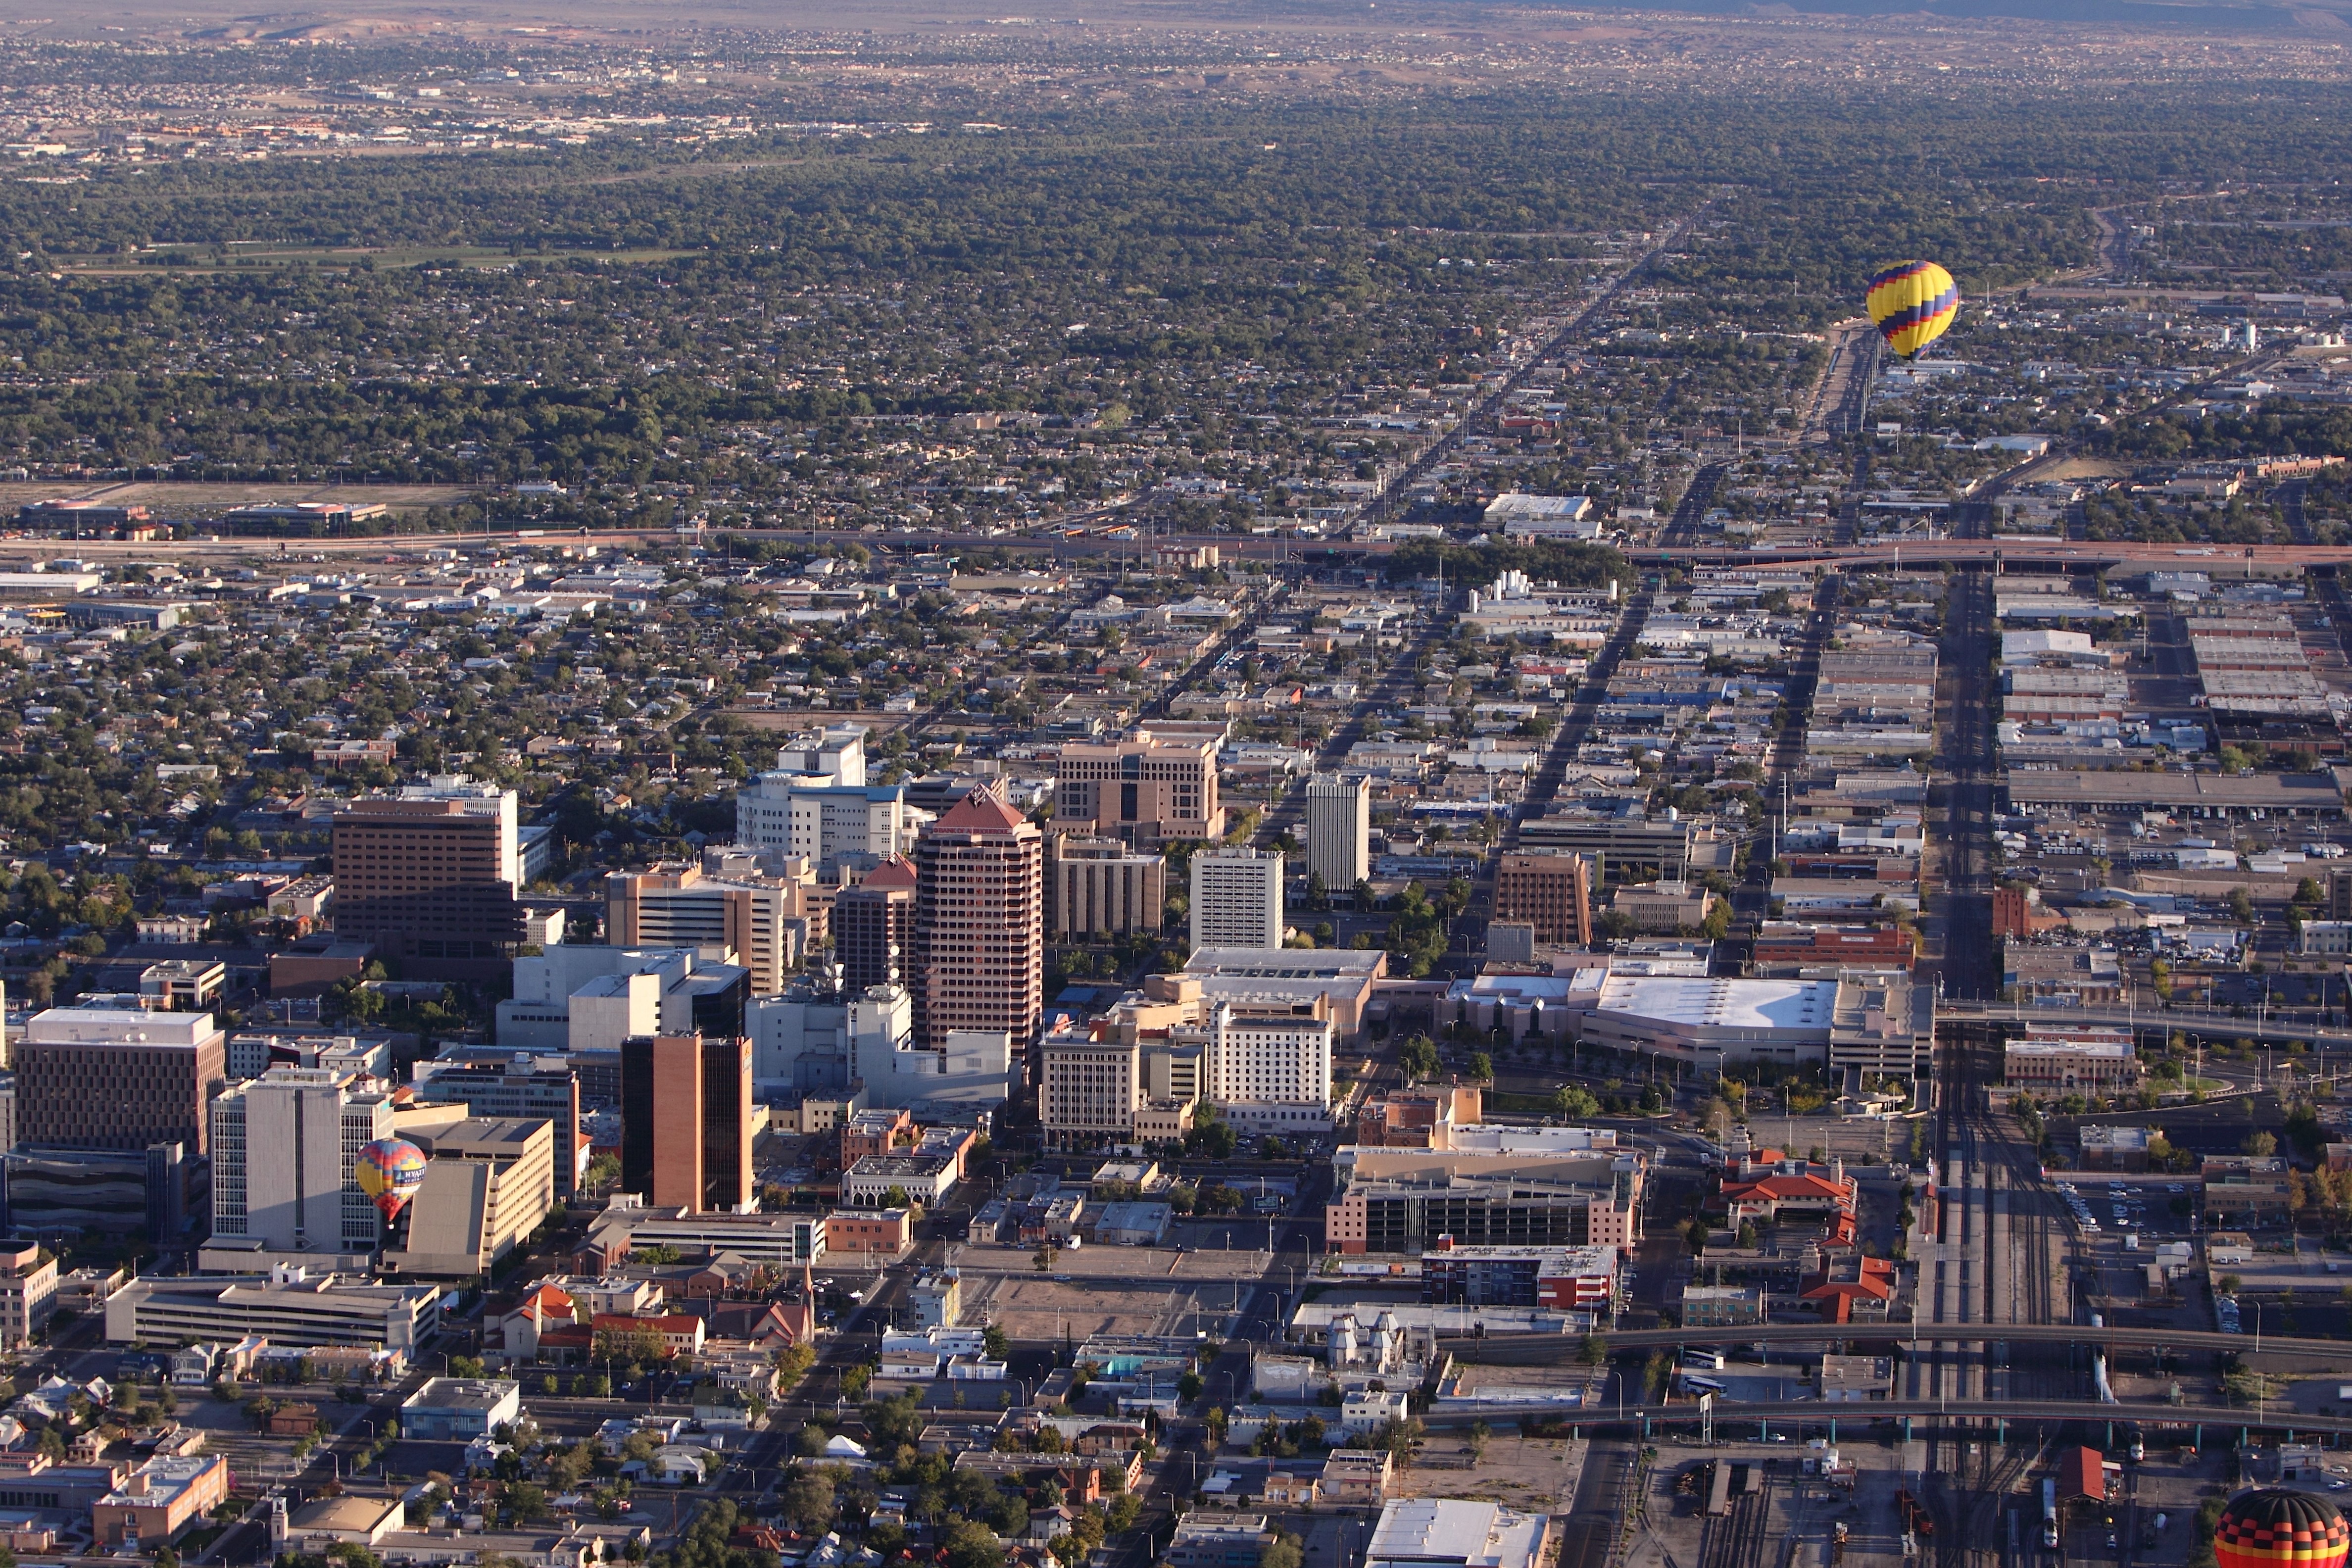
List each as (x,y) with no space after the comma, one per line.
(979,924)
(686,1121)
(92,1078)
(431,874)
(1551,892)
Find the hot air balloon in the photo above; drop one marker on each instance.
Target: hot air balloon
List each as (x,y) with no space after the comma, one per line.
(1911,303)
(389,1171)
(2280,1527)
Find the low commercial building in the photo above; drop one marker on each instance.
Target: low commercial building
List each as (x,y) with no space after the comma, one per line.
(2057,1058)
(344,1520)
(286,1307)
(1846,1378)
(460,1409)
(1133,1223)
(872,1234)
(784,1240)
(2117,1147)
(158,1501)
(1715,1022)
(1218,1540)
(1850,1287)
(935,1299)
(1366,1411)
(1721,1306)
(182,985)
(917,1178)
(1563,1279)
(1663,909)
(1356,1478)
(1764,1194)
(1787,946)
(2246,1186)
(2061,976)
(1445,1533)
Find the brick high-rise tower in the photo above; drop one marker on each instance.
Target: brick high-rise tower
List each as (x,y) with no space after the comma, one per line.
(980,923)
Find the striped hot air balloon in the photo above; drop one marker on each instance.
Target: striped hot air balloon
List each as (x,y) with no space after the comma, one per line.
(389,1170)
(2278,1527)
(1911,303)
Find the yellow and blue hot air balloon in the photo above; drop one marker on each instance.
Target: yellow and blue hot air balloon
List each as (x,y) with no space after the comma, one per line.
(389,1170)
(1911,303)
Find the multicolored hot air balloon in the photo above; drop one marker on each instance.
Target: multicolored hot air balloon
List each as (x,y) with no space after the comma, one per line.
(1911,303)
(2277,1527)
(389,1171)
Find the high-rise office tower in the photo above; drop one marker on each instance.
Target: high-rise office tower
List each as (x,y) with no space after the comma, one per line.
(675,905)
(285,1152)
(1551,892)
(429,873)
(1100,885)
(873,926)
(104,1078)
(1237,897)
(1339,830)
(1139,788)
(686,1121)
(980,923)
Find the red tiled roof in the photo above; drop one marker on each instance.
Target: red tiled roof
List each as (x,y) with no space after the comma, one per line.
(895,872)
(979,812)
(1783,1187)
(2083,1472)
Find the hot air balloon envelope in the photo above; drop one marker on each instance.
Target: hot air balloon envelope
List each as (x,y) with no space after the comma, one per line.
(2278,1527)
(1911,303)
(389,1171)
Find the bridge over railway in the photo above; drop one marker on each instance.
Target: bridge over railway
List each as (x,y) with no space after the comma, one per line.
(1856,1416)
(1547,1350)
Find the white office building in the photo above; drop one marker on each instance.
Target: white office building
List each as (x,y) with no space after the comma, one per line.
(1269,1071)
(816,804)
(1237,897)
(787,813)
(284,1149)
(583,996)
(288,1306)
(809,1041)
(1339,830)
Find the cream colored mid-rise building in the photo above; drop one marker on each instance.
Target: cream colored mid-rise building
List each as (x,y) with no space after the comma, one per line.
(285,1155)
(1089,1089)
(490,1181)
(678,906)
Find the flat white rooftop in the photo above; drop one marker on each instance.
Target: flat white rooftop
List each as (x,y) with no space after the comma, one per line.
(1449,1532)
(1718,1002)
